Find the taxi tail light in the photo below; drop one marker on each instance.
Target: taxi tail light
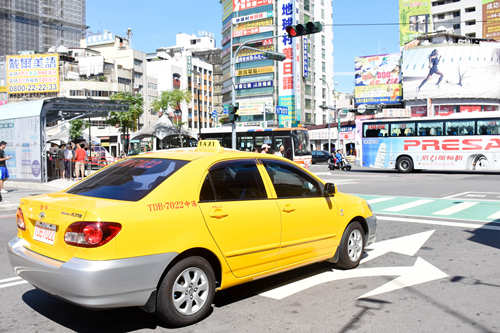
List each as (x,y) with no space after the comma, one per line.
(20,219)
(91,234)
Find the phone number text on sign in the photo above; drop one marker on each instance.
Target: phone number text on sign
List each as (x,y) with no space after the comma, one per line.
(32,73)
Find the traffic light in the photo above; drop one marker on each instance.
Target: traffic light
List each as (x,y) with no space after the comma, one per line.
(303,29)
(232,112)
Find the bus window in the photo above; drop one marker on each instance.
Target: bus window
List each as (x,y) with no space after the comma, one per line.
(430,128)
(287,144)
(376,130)
(488,127)
(301,144)
(459,127)
(245,143)
(260,139)
(403,129)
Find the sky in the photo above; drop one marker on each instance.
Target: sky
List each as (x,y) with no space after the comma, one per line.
(155,23)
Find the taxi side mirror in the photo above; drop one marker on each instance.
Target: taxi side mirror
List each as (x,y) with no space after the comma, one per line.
(330,189)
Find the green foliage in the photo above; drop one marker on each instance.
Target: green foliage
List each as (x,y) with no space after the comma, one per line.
(126,120)
(171,99)
(76,128)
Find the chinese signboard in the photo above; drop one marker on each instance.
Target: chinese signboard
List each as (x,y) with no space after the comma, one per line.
(491,19)
(253,106)
(248,4)
(253,17)
(253,71)
(252,31)
(251,85)
(414,19)
(377,79)
(33,73)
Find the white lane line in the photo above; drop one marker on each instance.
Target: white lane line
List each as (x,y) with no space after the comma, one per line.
(442,223)
(476,195)
(408,205)
(12,284)
(494,216)
(455,195)
(10,279)
(456,208)
(377,200)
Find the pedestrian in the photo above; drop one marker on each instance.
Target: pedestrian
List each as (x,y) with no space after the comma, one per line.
(264,149)
(68,156)
(80,156)
(4,173)
(60,161)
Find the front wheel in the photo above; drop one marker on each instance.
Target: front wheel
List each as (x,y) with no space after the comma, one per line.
(404,164)
(351,247)
(186,292)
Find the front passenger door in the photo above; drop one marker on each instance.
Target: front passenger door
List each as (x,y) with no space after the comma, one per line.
(245,225)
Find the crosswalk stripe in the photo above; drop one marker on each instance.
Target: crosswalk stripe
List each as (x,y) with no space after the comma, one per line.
(12,284)
(456,208)
(494,216)
(377,200)
(15,278)
(408,205)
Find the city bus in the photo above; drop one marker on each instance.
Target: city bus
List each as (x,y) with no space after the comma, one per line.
(294,140)
(457,142)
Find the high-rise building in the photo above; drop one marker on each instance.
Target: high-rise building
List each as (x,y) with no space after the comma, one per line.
(462,17)
(37,25)
(302,82)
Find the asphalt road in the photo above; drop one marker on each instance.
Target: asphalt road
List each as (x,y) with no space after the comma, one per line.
(434,268)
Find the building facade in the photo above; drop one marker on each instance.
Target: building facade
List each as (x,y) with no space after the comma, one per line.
(37,25)
(462,17)
(193,64)
(300,83)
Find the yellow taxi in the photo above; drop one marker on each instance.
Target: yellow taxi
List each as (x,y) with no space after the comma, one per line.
(166,230)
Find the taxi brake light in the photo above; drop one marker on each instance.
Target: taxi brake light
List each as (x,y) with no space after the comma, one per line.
(91,234)
(20,219)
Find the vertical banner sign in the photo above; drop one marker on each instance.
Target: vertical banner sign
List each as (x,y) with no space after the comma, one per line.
(286,46)
(33,73)
(305,73)
(297,69)
(491,19)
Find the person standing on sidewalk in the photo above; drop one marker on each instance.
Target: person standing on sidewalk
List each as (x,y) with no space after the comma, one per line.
(4,173)
(68,156)
(80,156)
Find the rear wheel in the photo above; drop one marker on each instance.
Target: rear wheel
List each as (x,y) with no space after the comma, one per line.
(186,292)
(404,164)
(352,246)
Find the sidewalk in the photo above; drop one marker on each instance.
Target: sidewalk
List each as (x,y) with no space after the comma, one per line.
(54,185)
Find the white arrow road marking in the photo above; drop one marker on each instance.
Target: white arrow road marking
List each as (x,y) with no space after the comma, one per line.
(420,272)
(407,245)
(11,282)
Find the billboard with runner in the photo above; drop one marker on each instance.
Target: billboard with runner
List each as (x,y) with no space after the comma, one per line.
(451,71)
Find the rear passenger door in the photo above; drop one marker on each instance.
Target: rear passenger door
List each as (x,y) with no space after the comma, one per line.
(245,225)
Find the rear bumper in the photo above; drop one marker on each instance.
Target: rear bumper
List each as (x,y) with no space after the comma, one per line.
(372,229)
(94,284)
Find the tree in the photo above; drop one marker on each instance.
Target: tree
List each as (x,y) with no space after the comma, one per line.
(173,99)
(126,120)
(76,128)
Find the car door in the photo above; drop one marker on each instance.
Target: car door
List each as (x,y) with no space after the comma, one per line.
(244,223)
(309,227)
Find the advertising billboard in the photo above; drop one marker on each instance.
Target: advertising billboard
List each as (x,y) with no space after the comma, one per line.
(452,71)
(377,79)
(414,19)
(491,19)
(248,4)
(33,73)
(254,106)
(23,144)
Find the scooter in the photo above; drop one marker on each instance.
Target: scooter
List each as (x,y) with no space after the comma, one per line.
(333,164)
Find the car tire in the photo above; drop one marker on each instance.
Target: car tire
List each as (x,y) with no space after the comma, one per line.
(351,247)
(404,164)
(186,292)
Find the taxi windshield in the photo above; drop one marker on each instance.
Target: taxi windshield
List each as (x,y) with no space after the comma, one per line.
(129,180)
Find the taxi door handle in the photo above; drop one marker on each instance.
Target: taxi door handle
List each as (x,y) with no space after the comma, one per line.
(288,209)
(218,213)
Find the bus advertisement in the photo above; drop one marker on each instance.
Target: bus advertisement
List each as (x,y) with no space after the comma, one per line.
(459,143)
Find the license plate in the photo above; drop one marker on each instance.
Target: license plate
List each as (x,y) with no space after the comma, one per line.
(45,232)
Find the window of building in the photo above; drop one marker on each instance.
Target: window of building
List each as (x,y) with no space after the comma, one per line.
(470,9)
(456,26)
(471,22)
(440,16)
(456,13)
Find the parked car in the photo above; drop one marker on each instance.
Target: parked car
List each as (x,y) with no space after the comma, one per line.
(166,230)
(320,156)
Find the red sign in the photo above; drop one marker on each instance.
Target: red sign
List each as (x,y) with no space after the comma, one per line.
(419,111)
(248,4)
(470,108)
(451,144)
(444,110)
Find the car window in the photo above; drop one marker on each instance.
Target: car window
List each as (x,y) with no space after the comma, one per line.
(233,180)
(291,182)
(129,180)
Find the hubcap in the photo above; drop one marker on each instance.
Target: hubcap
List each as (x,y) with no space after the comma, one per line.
(190,291)
(355,245)
(482,164)
(404,165)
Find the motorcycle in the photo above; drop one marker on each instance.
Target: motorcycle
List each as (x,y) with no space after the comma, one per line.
(334,164)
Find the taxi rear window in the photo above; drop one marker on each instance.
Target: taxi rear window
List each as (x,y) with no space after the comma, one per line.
(129,180)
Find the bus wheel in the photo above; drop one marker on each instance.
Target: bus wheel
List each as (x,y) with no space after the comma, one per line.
(404,164)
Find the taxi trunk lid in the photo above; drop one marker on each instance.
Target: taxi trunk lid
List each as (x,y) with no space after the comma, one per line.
(47,217)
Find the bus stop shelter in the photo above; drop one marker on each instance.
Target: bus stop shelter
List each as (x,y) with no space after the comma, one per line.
(23,127)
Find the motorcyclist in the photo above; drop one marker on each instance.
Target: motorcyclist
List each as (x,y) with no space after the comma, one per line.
(339,159)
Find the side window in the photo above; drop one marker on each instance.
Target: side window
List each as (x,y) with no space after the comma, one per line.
(232,181)
(291,182)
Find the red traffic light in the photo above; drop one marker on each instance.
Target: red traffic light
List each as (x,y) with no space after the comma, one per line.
(291,31)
